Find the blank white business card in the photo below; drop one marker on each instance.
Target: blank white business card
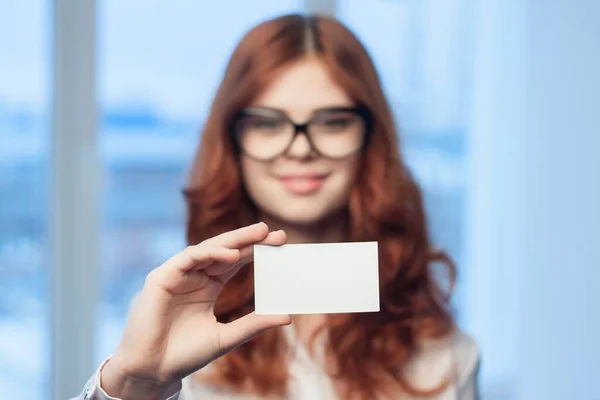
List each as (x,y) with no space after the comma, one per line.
(323,278)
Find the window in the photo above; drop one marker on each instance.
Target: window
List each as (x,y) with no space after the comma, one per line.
(156,84)
(24,159)
(158,67)
(426,54)
(422,50)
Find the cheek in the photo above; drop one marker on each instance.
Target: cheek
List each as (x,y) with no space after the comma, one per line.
(255,179)
(347,175)
(251,173)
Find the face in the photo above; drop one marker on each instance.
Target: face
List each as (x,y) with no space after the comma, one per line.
(301,185)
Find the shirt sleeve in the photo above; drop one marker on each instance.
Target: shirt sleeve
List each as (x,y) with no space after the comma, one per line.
(469,387)
(93,390)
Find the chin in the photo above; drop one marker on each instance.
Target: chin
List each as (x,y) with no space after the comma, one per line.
(305,217)
(305,214)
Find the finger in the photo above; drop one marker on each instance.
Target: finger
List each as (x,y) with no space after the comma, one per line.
(235,333)
(195,257)
(224,273)
(275,238)
(222,247)
(241,237)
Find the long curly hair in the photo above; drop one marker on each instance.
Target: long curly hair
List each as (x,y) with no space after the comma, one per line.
(370,350)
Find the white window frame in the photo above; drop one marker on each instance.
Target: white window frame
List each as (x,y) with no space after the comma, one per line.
(75,196)
(326,7)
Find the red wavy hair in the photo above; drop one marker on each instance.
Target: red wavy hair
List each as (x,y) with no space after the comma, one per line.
(369,350)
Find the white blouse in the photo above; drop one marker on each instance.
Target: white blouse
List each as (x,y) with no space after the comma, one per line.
(456,356)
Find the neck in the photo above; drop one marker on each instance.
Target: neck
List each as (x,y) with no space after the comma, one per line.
(330,230)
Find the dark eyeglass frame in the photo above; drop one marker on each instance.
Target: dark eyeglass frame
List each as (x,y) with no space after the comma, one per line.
(317,115)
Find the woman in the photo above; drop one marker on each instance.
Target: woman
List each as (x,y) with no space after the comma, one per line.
(300,136)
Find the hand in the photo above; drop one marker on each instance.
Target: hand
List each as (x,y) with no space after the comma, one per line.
(172,330)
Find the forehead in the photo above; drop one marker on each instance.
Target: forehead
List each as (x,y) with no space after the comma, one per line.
(302,88)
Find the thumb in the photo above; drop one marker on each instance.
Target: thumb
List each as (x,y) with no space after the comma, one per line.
(235,333)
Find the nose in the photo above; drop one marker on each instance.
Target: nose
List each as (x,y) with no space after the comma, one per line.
(300,147)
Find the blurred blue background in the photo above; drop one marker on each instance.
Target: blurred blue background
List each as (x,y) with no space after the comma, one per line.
(497,104)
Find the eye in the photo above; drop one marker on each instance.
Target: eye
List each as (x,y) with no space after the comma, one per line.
(266,124)
(338,122)
(263,124)
(335,123)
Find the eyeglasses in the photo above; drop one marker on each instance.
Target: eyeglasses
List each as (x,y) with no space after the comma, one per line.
(266,133)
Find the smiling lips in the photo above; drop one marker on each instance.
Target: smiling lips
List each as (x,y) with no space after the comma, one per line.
(302,184)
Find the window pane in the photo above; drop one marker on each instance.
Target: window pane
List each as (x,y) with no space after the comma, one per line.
(423,53)
(159,66)
(424,50)
(24,165)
